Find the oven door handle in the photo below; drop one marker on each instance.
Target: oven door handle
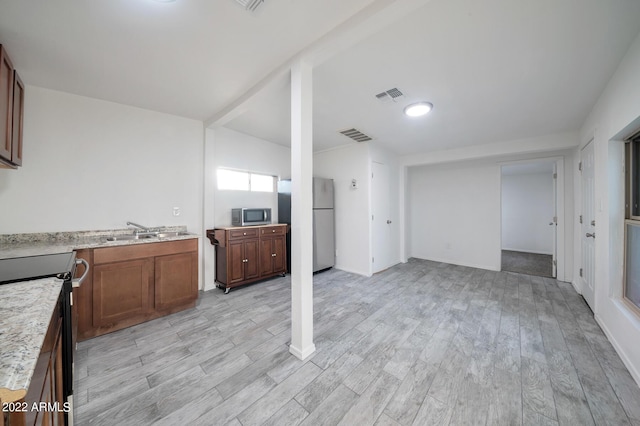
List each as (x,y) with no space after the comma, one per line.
(76,282)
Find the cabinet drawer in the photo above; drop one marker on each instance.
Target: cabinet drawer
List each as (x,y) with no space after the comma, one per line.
(273,230)
(141,251)
(237,234)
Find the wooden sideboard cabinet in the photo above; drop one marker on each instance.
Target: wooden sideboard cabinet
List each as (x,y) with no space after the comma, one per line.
(135,283)
(248,254)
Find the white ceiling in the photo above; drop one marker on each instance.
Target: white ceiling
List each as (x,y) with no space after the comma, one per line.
(495,70)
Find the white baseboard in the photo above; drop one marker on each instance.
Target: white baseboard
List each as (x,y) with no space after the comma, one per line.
(352,271)
(633,369)
(302,353)
(451,262)
(576,287)
(528,251)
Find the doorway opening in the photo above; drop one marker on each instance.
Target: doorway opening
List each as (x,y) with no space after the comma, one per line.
(529,218)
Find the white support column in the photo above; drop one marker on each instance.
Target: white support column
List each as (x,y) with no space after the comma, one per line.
(301,211)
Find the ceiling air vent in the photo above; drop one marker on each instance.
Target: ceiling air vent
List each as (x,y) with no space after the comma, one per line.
(356,135)
(390,95)
(250,4)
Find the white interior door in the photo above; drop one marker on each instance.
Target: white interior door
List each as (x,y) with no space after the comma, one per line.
(381,220)
(588,225)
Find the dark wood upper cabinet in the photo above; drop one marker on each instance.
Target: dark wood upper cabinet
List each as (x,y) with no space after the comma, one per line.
(6,104)
(11,113)
(17,119)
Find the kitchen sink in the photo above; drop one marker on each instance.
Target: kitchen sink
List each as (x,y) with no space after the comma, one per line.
(171,234)
(128,237)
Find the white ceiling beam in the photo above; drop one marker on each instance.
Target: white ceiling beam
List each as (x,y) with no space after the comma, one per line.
(368,21)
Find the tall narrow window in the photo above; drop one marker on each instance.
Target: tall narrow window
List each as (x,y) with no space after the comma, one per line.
(631,292)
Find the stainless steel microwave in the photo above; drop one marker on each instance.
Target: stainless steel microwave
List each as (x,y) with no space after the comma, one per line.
(248,217)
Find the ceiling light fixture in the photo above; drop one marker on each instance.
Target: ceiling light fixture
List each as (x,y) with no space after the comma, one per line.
(164,1)
(418,109)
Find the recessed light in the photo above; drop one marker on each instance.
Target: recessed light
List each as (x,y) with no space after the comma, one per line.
(418,109)
(164,1)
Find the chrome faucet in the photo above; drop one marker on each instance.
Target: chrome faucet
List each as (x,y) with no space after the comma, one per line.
(144,228)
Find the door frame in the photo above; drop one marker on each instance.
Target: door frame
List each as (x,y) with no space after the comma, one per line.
(561,272)
(372,231)
(580,227)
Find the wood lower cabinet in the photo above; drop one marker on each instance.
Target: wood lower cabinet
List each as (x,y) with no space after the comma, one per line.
(273,251)
(176,280)
(131,284)
(122,291)
(245,255)
(243,260)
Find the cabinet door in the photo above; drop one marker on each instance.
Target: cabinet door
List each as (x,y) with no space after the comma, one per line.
(17,120)
(235,262)
(6,104)
(252,257)
(122,290)
(266,256)
(176,279)
(279,255)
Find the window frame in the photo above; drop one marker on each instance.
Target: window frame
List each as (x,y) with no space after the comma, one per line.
(249,175)
(632,194)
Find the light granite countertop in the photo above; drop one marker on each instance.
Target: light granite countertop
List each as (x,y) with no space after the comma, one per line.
(26,307)
(19,245)
(25,312)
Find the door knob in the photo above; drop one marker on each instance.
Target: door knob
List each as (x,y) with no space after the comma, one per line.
(588,234)
(388,222)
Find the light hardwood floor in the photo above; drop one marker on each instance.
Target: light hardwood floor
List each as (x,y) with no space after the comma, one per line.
(422,343)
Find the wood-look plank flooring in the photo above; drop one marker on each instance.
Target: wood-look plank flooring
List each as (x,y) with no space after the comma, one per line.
(422,343)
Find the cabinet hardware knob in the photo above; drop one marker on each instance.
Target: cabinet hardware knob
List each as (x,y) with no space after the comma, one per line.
(244,233)
(273,255)
(273,230)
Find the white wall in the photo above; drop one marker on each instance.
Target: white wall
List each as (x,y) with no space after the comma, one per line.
(230,149)
(454,214)
(616,114)
(352,206)
(239,151)
(527,209)
(91,164)
(488,159)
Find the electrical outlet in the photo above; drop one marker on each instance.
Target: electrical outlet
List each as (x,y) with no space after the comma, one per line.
(176,211)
